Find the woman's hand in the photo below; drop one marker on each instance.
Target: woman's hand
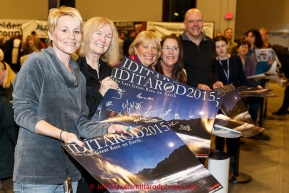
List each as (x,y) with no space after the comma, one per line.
(107,84)
(259,87)
(218,84)
(203,87)
(270,61)
(117,128)
(46,129)
(67,137)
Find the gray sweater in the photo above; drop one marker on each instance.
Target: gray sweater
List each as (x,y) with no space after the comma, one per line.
(44,89)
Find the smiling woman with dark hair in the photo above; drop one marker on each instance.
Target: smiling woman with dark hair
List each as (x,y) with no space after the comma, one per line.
(171,62)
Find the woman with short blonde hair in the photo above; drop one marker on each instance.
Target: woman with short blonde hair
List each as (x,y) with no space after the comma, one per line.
(145,48)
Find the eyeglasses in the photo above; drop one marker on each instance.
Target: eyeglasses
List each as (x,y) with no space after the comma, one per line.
(166,48)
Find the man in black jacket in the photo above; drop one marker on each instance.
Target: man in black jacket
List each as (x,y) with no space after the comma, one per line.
(199,53)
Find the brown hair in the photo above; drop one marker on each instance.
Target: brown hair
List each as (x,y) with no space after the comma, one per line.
(179,73)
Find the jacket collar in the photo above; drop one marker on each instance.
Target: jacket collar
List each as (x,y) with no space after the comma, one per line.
(71,79)
(185,37)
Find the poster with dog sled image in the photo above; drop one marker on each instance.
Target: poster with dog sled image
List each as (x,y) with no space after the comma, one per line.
(149,158)
(146,96)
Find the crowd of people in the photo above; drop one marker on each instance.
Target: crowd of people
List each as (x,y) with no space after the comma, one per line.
(59,87)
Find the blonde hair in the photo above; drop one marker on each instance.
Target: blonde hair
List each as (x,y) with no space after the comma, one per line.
(111,56)
(55,13)
(9,76)
(264,30)
(142,37)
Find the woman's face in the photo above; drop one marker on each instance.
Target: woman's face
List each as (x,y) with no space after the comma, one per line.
(101,40)
(147,53)
(251,38)
(170,52)
(243,49)
(66,36)
(2,75)
(221,49)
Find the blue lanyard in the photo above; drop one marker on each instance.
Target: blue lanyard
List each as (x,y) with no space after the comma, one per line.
(228,69)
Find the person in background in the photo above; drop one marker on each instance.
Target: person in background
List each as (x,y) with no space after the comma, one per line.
(228,34)
(49,106)
(8,139)
(242,49)
(6,78)
(171,62)
(219,34)
(2,42)
(145,49)
(283,55)
(230,70)
(120,43)
(255,39)
(16,53)
(98,53)
(127,42)
(199,53)
(265,37)
(32,44)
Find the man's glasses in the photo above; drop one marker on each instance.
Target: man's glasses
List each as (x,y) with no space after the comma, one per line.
(166,48)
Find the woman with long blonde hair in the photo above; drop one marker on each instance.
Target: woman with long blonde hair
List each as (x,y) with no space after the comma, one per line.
(6,78)
(98,53)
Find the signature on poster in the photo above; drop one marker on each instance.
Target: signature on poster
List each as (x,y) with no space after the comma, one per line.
(186,128)
(108,103)
(167,112)
(149,108)
(129,106)
(120,92)
(145,98)
(171,124)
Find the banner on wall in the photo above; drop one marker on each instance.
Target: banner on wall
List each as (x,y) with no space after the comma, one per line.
(127,26)
(165,28)
(13,27)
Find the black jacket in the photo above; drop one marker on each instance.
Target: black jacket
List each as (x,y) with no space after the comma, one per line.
(199,61)
(8,138)
(93,96)
(236,73)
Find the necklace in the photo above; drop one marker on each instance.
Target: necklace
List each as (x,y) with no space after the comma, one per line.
(227,74)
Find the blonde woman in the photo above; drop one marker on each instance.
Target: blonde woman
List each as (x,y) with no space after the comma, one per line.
(145,49)
(98,53)
(49,106)
(6,78)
